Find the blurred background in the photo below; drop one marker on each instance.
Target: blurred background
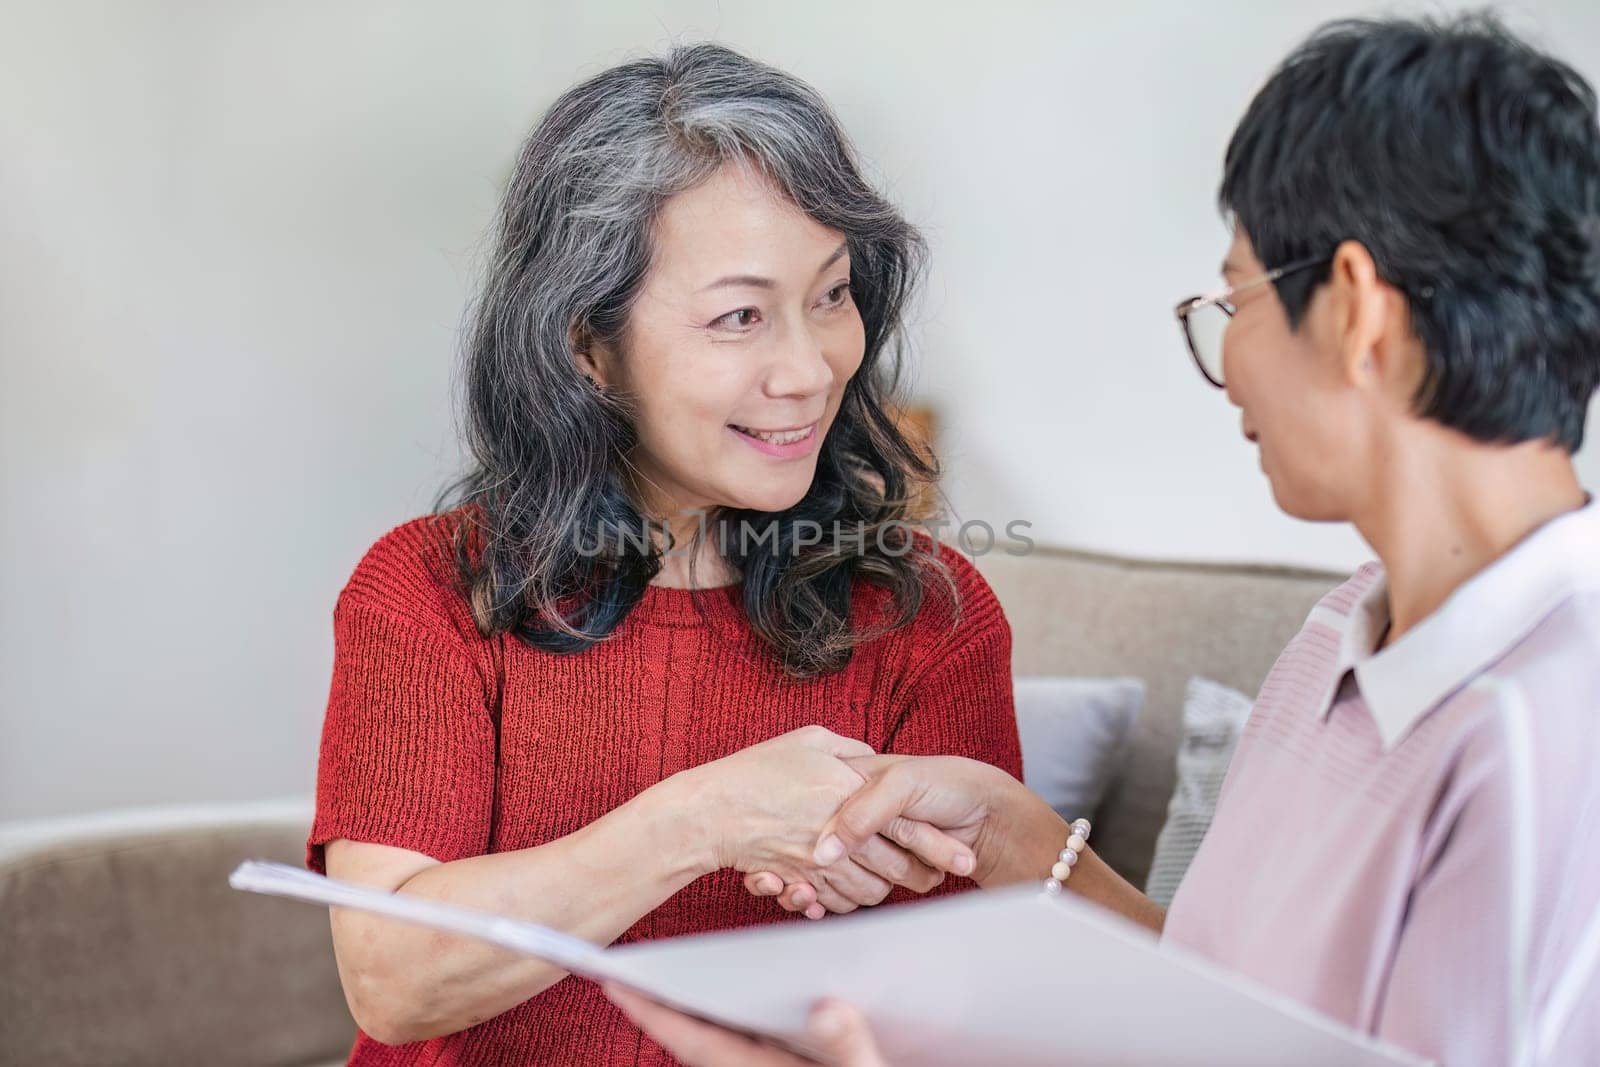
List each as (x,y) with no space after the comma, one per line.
(236,240)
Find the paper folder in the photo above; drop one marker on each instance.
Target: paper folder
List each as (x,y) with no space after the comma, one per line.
(1006,977)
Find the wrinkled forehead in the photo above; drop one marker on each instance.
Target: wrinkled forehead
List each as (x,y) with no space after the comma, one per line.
(737,223)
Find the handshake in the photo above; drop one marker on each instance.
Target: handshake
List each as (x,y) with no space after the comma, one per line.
(824,824)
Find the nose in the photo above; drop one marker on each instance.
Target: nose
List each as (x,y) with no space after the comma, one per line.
(1230,374)
(799,368)
(1228,391)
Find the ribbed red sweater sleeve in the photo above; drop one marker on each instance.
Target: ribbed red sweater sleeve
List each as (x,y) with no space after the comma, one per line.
(407,750)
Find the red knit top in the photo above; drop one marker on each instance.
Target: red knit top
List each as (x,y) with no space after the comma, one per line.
(408,751)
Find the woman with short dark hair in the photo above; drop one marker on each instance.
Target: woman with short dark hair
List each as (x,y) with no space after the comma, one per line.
(1407,838)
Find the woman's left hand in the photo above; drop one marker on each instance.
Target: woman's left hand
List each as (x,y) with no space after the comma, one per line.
(836,1027)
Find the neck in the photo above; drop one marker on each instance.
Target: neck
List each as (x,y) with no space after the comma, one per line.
(1446,507)
(708,569)
(692,562)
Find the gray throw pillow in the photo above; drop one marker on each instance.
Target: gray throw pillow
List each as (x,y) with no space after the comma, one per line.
(1213,715)
(1074,732)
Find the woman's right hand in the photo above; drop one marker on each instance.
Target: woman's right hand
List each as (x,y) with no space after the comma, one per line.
(966,817)
(957,815)
(766,805)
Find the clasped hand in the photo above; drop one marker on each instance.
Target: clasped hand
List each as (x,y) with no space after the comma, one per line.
(802,828)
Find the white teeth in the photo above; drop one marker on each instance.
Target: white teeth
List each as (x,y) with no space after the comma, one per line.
(787,437)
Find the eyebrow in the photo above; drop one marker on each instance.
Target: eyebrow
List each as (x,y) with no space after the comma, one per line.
(756,281)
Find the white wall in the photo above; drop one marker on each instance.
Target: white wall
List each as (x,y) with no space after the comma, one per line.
(235,240)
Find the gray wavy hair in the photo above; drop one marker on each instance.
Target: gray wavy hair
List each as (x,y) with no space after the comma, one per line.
(573,246)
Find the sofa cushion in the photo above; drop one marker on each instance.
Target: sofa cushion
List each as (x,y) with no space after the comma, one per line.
(133,949)
(1074,732)
(1081,613)
(1213,717)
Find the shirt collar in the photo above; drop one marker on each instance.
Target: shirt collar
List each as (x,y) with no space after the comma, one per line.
(1483,618)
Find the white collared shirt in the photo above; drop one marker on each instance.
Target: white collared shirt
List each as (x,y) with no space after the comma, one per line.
(1409,840)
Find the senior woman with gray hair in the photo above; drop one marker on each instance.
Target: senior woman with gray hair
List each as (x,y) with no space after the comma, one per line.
(619,668)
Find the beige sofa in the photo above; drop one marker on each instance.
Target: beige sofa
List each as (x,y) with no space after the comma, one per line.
(123,944)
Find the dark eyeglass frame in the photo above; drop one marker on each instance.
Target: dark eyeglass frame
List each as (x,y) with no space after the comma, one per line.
(1221,299)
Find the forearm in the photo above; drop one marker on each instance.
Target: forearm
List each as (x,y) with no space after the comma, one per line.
(1022,848)
(412,982)
(1094,880)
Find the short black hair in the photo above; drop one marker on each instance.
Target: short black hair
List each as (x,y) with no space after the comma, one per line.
(1468,164)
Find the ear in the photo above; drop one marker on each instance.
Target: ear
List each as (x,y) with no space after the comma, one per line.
(594,359)
(1362,311)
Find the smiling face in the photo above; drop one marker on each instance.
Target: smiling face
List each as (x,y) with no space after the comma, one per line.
(737,349)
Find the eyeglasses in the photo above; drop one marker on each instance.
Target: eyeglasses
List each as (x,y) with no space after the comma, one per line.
(1204,319)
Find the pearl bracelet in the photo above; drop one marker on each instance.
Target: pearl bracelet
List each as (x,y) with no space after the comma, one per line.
(1068,858)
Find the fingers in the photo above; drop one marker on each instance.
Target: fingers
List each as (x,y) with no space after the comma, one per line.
(830,899)
(802,897)
(763,884)
(862,881)
(896,865)
(865,813)
(847,885)
(700,1044)
(843,1033)
(824,739)
(876,808)
(870,766)
(931,845)
(795,897)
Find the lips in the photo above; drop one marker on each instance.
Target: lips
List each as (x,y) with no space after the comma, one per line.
(777,437)
(795,442)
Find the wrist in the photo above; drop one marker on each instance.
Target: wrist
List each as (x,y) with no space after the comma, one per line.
(1022,842)
(687,814)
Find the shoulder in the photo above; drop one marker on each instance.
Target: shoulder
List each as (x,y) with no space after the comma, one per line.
(973,602)
(958,607)
(1565,639)
(1550,679)
(1507,736)
(410,574)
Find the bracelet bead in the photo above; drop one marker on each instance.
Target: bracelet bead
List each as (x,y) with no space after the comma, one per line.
(1068,857)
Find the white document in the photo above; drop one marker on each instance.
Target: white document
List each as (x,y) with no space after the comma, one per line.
(1009,977)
